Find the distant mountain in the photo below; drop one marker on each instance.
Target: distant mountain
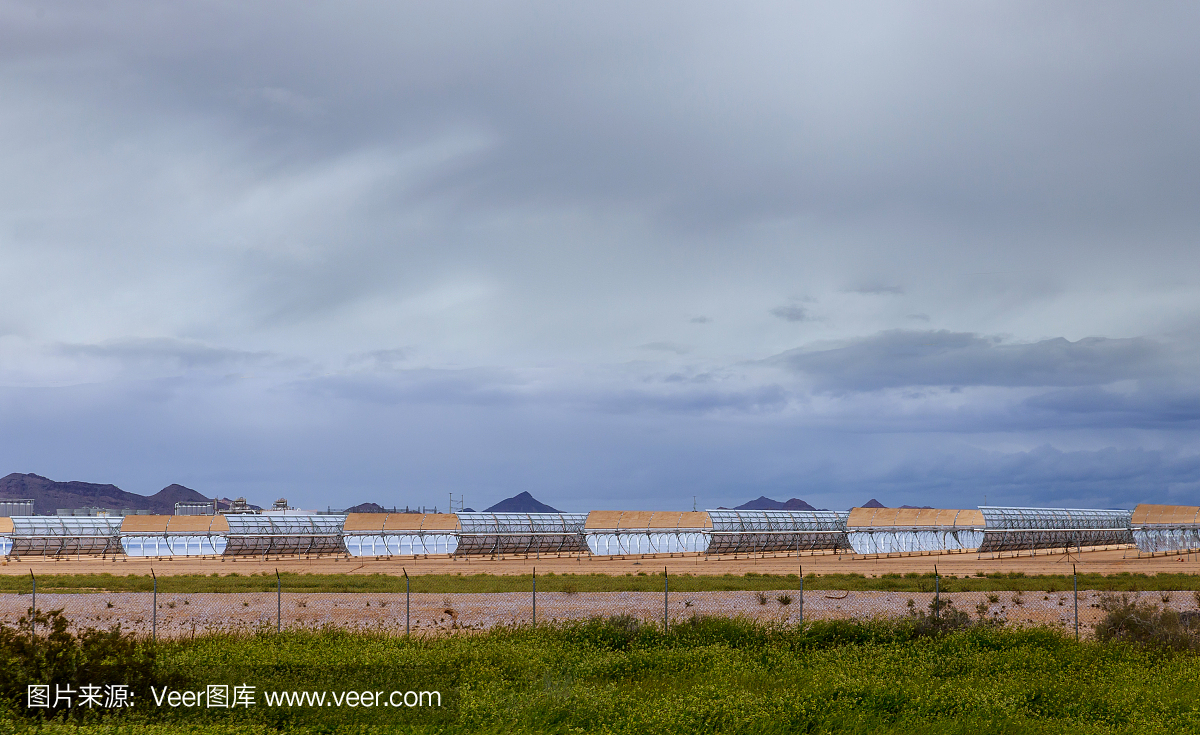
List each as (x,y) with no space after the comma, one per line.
(873,503)
(48,496)
(523,503)
(762,502)
(367,508)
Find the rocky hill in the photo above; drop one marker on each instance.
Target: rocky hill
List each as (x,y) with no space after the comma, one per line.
(762,502)
(523,503)
(48,495)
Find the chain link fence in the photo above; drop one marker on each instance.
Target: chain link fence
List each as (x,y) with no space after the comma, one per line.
(174,615)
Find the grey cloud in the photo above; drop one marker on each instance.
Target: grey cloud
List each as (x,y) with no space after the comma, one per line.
(422,386)
(791,313)
(378,359)
(899,358)
(164,350)
(876,289)
(665,347)
(1048,476)
(1150,406)
(765,399)
(509,185)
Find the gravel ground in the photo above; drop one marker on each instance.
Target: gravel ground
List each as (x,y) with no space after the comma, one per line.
(184,615)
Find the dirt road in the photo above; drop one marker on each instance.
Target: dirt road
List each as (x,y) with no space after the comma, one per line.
(1111,561)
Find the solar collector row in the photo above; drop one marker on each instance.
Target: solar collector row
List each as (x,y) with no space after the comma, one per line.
(1153,528)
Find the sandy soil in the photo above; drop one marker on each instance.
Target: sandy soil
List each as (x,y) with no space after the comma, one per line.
(185,615)
(1110,561)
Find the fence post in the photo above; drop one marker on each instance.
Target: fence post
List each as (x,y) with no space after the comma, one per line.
(407,599)
(937,593)
(666,620)
(278,602)
(1075,574)
(801,594)
(33,612)
(535,596)
(154,608)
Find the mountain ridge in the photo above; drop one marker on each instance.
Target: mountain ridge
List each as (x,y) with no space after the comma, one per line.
(50,495)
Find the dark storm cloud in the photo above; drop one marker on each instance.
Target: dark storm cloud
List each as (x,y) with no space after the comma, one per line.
(899,358)
(1151,406)
(1046,476)
(710,115)
(525,196)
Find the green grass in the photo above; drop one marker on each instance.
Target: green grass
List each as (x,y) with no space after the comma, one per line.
(649,581)
(727,676)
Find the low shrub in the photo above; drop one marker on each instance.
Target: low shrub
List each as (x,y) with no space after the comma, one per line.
(59,657)
(1145,624)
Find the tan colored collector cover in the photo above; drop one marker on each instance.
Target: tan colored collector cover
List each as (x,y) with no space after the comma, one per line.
(6,524)
(364,522)
(913,517)
(198,524)
(1145,514)
(644,520)
(166,525)
(145,524)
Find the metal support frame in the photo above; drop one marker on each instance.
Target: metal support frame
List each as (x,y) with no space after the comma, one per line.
(400,543)
(913,539)
(486,534)
(65,535)
(1020,529)
(774,531)
(263,535)
(1167,538)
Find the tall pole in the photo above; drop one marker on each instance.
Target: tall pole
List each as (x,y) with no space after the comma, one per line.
(154,608)
(1075,574)
(535,596)
(802,595)
(937,592)
(278,602)
(33,612)
(407,598)
(666,620)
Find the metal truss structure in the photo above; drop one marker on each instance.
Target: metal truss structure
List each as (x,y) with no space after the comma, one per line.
(626,543)
(1166,528)
(263,534)
(520,533)
(178,535)
(636,532)
(400,534)
(1021,529)
(913,540)
(65,535)
(191,545)
(913,530)
(407,544)
(754,531)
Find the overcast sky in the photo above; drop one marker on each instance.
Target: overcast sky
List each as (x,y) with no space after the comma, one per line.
(624,255)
